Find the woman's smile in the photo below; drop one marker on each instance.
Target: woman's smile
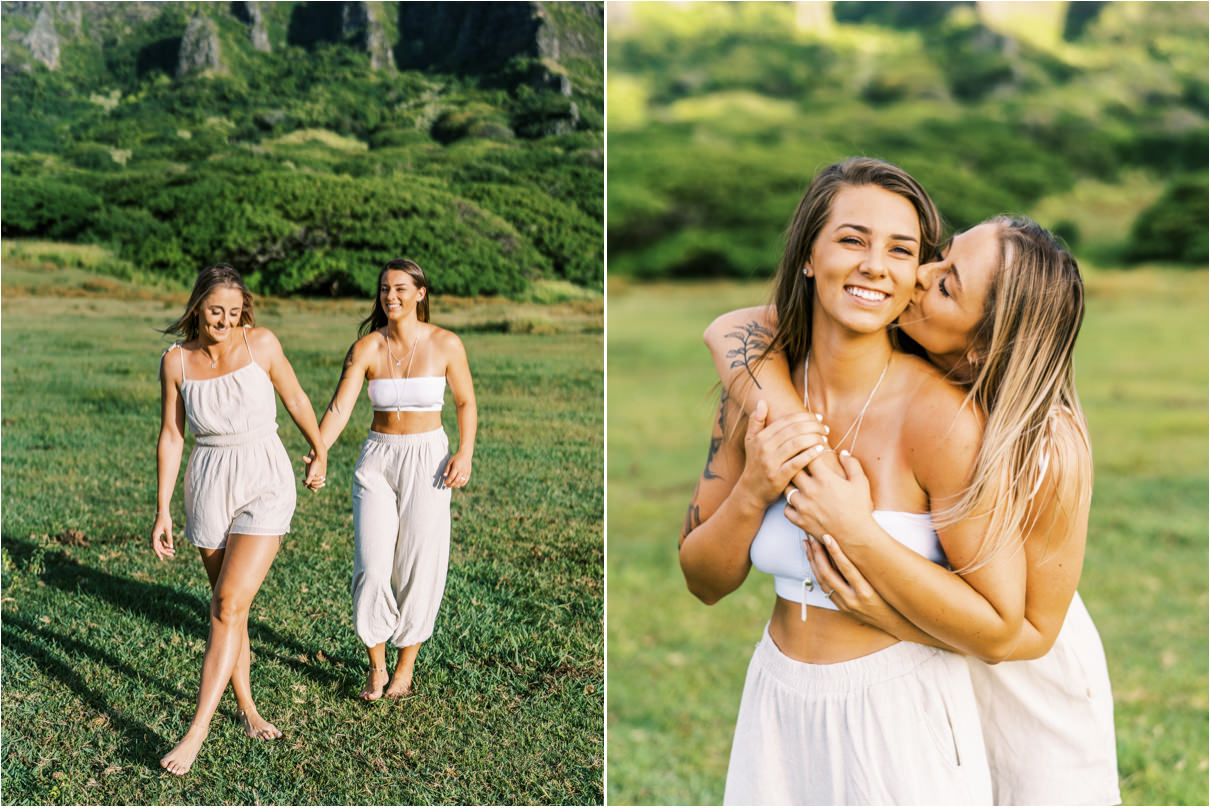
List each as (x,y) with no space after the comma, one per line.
(867,295)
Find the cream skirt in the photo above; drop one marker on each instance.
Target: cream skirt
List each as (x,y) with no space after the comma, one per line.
(896,727)
(1049,722)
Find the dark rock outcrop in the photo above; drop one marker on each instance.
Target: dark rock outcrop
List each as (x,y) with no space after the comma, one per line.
(360,26)
(43,40)
(200,48)
(472,37)
(250,14)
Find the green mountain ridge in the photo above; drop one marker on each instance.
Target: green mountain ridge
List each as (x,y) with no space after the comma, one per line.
(311,141)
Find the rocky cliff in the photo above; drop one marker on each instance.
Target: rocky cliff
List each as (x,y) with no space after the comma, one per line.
(186,39)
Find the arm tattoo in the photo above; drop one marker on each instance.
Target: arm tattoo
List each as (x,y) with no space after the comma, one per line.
(332,407)
(753,339)
(692,520)
(716,441)
(693,516)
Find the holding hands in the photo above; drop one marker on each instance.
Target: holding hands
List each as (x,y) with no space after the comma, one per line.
(834,499)
(775,453)
(314,470)
(830,497)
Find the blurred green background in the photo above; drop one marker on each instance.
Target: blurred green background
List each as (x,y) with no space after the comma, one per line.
(1091,117)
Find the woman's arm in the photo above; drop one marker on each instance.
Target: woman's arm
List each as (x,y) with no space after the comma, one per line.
(736,341)
(978,611)
(742,475)
(458,376)
(281,373)
(851,593)
(1054,553)
(1054,549)
(348,388)
(169,448)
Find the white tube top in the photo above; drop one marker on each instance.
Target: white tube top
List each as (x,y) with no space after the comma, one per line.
(777,550)
(417,394)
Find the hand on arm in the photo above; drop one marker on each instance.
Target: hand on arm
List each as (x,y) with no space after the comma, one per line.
(977,612)
(851,593)
(169,448)
(458,376)
(736,341)
(739,481)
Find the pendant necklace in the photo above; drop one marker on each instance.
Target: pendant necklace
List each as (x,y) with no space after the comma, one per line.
(398,362)
(393,363)
(856,425)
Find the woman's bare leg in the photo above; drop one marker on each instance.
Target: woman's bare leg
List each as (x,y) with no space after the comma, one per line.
(376,678)
(401,680)
(241,680)
(245,563)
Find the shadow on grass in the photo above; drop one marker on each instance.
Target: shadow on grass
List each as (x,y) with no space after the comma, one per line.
(167,606)
(139,744)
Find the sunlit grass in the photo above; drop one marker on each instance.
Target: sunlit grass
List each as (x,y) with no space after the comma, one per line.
(103,644)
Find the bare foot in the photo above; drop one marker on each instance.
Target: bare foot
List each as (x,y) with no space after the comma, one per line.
(181,758)
(376,680)
(401,685)
(257,727)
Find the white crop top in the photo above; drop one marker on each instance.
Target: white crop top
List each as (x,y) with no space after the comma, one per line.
(777,550)
(417,394)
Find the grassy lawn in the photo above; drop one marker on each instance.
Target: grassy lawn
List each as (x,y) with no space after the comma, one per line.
(676,667)
(103,643)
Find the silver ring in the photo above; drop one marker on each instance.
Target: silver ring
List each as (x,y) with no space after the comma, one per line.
(790,494)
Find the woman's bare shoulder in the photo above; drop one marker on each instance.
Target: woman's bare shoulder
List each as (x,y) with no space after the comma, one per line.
(170,362)
(940,423)
(443,338)
(262,339)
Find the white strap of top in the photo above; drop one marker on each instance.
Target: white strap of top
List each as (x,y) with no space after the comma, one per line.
(180,353)
(248,346)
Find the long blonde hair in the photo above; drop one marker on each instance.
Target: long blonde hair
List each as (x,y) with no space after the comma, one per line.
(1023,384)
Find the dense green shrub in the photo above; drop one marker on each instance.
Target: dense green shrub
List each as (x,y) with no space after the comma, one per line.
(296,232)
(39,206)
(1174,228)
(471,120)
(560,232)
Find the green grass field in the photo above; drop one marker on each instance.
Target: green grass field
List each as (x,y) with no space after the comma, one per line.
(103,644)
(676,667)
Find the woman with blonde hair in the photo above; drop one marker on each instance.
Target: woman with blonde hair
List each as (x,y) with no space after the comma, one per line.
(836,711)
(402,483)
(999,311)
(239,485)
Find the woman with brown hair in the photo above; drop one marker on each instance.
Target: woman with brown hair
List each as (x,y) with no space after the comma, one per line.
(999,311)
(239,485)
(835,711)
(402,483)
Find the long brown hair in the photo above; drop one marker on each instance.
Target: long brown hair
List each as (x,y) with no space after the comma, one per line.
(1022,357)
(378,316)
(793,293)
(209,279)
